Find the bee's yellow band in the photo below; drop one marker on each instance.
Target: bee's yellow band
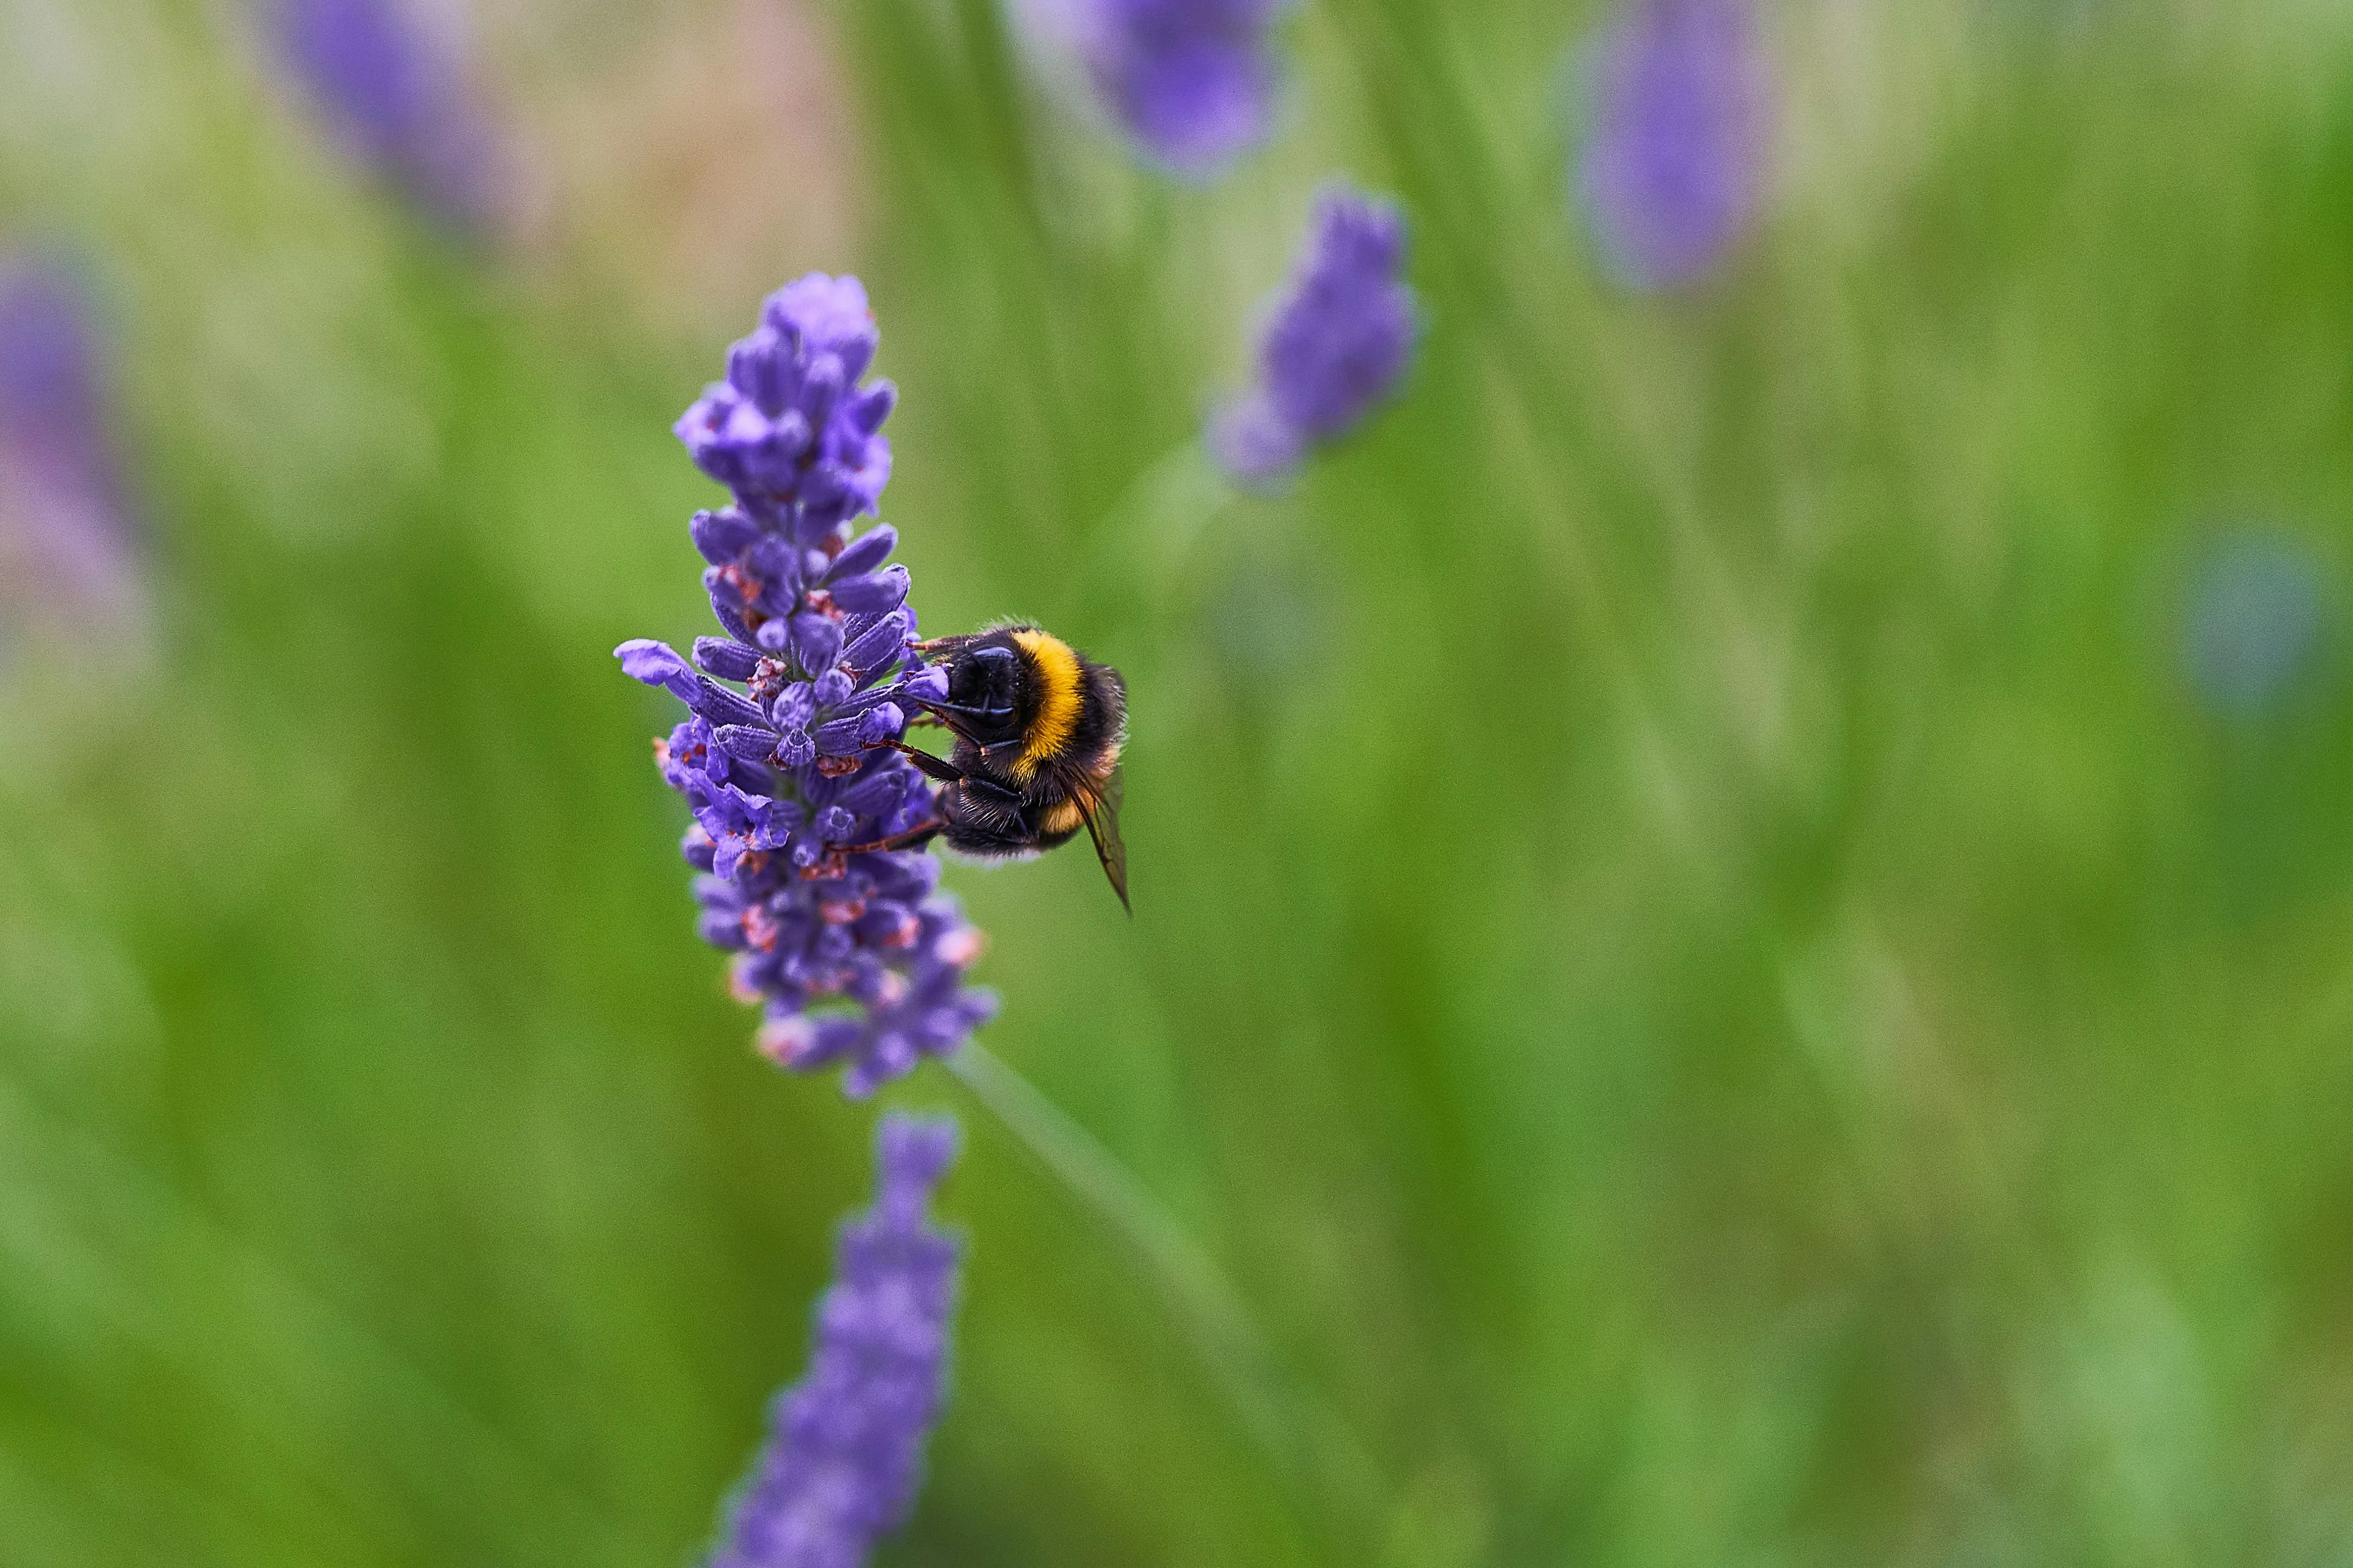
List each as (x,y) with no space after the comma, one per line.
(1057,698)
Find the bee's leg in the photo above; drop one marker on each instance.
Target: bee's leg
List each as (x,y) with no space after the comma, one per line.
(976,787)
(990,836)
(912,838)
(944,714)
(991,818)
(940,768)
(979,790)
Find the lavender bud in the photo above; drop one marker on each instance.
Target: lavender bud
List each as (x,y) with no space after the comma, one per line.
(795,706)
(658,664)
(929,684)
(874,593)
(867,411)
(721,706)
(878,645)
(816,641)
(865,553)
(726,658)
(753,745)
(722,535)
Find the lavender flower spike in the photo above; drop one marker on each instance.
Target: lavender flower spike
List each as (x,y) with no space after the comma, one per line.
(859,960)
(1673,170)
(1192,80)
(843,1460)
(398,102)
(1335,347)
(70,546)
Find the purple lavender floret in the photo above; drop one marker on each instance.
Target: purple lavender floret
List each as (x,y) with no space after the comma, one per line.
(845,1451)
(1335,347)
(1673,172)
(857,958)
(69,540)
(397,100)
(1192,80)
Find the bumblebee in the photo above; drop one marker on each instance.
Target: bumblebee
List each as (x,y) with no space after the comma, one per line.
(1037,729)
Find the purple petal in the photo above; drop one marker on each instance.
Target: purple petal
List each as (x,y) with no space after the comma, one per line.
(873,593)
(865,553)
(658,664)
(816,641)
(753,745)
(726,658)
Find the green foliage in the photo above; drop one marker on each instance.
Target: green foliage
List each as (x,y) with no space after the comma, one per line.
(1696,961)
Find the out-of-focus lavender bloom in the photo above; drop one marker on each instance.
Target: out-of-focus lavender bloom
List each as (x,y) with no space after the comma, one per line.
(68,545)
(845,1453)
(1192,80)
(51,409)
(1673,167)
(2255,621)
(1334,346)
(397,100)
(626,178)
(859,960)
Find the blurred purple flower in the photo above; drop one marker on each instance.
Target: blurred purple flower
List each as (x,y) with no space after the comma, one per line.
(1673,171)
(783,775)
(2255,622)
(843,1460)
(68,543)
(1335,347)
(397,100)
(1192,80)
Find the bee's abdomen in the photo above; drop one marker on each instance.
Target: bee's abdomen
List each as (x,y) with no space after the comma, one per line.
(1103,716)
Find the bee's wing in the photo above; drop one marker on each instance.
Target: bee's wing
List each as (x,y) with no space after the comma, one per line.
(1100,804)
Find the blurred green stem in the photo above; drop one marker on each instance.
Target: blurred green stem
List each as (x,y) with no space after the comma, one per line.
(1149,534)
(126,1251)
(1308,1441)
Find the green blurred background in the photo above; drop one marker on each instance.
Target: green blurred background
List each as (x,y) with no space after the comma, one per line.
(1701,962)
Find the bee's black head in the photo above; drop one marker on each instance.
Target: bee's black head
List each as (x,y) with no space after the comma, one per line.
(984,694)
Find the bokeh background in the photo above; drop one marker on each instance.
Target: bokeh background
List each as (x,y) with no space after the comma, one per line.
(1743,902)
